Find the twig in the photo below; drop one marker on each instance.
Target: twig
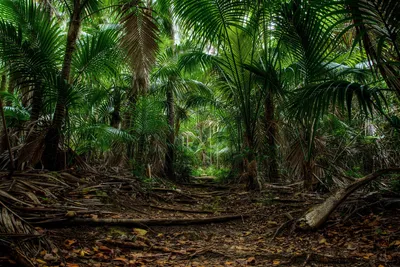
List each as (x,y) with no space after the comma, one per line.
(281,228)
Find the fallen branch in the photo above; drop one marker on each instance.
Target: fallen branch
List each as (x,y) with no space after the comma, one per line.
(141,246)
(181,210)
(319,214)
(154,222)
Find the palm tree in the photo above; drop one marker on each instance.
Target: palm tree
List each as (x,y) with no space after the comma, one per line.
(230,26)
(76,10)
(169,77)
(308,37)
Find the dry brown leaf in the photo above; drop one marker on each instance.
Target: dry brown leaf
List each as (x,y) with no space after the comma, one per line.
(276,262)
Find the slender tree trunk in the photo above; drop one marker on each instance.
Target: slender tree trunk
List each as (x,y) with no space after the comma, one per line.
(8,144)
(36,102)
(307,175)
(170,155)
(273,171)
(11,86)
(251,173)
(3,141)
(53,136)
(127,123)
(169,169)
(115,115)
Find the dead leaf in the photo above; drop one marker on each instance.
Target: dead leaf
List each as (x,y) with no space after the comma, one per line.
(276,262)
(395,243)
(351,246)
(70,214)
(121,259)
(104,248)
(69,242)
(40,261)
(49,257)
(251,260)
(368,255)
(140,232)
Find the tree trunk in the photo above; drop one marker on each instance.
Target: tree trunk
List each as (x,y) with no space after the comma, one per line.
(36,102)
(53,136)
(272,164)
(127,122)
(307,175)
(318,215)
(116,117)
(11,86)
(7,139)
(251,174)
(170,154)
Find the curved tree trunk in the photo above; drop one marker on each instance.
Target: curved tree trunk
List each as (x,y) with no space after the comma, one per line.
(318,215)
(53,136)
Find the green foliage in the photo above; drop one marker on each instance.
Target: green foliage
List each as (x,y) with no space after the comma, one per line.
(395,185)
(221,174)
(185,160)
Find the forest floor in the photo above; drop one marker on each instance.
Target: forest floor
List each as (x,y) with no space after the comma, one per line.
(243,229)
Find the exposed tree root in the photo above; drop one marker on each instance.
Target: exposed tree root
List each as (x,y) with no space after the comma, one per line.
(319,214)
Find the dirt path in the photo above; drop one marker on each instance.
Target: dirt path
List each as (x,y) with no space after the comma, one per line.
(251,240)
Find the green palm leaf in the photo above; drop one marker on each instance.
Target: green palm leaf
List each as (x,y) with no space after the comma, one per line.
(315,100)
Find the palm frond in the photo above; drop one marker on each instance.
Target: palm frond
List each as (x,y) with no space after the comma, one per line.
(315,100)
(308,39)
(211,19)
(97,54)
(139,41)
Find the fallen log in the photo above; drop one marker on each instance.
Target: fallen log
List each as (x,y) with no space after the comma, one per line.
(146,222)
(319,214)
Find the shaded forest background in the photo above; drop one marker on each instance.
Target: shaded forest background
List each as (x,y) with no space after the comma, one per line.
(249,91)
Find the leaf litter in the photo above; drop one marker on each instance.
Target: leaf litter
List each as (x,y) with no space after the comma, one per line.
(255,238)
